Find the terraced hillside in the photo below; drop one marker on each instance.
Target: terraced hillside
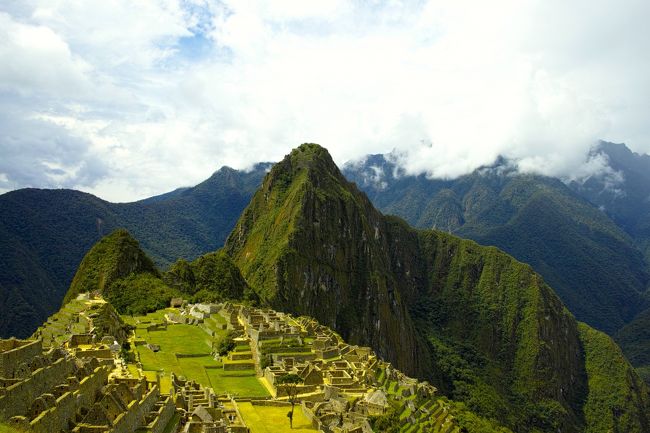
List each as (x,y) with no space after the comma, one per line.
(213,353)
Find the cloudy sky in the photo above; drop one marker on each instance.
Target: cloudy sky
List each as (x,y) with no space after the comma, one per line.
(131,98)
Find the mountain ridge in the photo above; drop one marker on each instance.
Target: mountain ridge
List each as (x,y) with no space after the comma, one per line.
(325,251)
(593,264)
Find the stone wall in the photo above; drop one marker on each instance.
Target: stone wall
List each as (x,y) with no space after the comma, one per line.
(57,418)
(15,352)
(232,366)
(19,397)
(134,417)
(165,414)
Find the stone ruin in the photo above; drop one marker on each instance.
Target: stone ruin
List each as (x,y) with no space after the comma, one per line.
(52,390)
(203,412)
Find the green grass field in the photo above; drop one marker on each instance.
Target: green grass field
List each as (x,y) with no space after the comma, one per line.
(182,339)
(148,319)
(269,419)
(242,383)
(192,344)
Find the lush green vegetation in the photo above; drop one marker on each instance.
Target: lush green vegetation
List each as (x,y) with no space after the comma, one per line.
(634,339)
(593,265)
(115,256)
(117,268)
(388,422)
(618,399)
(212,277)
(6,429)
(139,294)
(44,234)
(470,422)
(310,243)
(227,344)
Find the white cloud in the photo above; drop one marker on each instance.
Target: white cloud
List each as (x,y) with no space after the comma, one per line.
(35,59)
(164,92)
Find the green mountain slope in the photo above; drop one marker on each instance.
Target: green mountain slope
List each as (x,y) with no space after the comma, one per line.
(118,269)
(125,276)
(595,267)
(284,245)
(44,234)
(481,325)
(617,395)
(212,277)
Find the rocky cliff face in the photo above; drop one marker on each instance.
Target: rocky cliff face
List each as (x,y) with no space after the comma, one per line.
(483,327)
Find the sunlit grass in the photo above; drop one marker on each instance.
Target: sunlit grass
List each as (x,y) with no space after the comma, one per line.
(269,419)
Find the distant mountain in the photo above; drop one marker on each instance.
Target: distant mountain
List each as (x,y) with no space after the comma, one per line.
(482,326)
(594,265)
(44,234)
(624,195)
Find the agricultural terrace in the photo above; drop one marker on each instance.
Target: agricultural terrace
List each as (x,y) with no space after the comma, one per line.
(186,350)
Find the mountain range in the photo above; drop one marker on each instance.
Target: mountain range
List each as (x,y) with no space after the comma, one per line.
(44,234)
(595,266)
(481,326)
(588,239)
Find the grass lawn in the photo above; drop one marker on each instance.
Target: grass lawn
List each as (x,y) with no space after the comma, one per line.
(183,339)
(243,383)
(268,419)
(177,339)
(192,340)
(148,319)
(194,368)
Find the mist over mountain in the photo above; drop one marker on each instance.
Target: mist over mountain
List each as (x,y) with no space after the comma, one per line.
(596,266)
(624,195)
(586,238)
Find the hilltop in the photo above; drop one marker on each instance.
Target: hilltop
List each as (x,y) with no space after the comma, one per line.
(117,269)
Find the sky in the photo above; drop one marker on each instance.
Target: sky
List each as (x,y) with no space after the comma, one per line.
(127,99)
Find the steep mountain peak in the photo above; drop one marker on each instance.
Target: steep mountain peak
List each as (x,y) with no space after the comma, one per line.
(115,256)
(310,243)
(309,160)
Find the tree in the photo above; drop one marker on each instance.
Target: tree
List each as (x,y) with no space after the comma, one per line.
(226,344)
(289,383)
